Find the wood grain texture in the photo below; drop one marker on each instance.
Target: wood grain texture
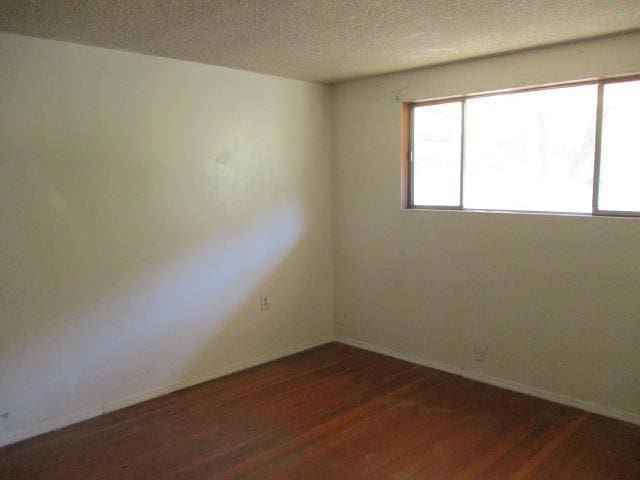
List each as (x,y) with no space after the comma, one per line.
(335,412)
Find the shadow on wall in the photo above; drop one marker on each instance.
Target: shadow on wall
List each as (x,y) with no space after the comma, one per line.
(143,203)
(170,321)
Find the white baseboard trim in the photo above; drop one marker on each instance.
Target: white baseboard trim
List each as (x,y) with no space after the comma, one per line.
(56,423)
(498,382)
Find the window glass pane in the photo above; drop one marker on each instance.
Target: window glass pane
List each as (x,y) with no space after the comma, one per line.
(620,155)
(531,151)
(436,154)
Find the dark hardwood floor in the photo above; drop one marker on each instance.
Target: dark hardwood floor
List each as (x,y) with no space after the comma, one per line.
(335,412)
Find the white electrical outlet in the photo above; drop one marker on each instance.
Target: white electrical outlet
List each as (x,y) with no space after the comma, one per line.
(480,353)
(264,303)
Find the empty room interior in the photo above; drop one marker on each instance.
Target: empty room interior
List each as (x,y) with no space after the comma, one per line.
(320,239)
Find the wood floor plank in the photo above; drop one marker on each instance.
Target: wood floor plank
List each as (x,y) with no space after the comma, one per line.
(334,412)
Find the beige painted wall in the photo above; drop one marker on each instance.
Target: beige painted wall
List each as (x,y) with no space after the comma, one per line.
(555,298)
(145,205)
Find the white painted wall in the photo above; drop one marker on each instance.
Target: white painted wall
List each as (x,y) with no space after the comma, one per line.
(145,205)
(555,298)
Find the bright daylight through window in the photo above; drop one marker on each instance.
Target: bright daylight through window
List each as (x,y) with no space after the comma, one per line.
(567,149)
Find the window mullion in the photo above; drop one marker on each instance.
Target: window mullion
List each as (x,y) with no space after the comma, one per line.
(598,148)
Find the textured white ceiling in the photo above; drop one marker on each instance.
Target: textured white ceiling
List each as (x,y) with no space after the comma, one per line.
(322,40)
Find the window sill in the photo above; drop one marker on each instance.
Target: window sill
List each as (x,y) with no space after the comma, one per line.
(603,214)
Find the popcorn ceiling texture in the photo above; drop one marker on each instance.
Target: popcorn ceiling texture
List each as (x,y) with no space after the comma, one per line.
(326,41)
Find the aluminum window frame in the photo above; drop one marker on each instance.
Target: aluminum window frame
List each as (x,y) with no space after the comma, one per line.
(595,211)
